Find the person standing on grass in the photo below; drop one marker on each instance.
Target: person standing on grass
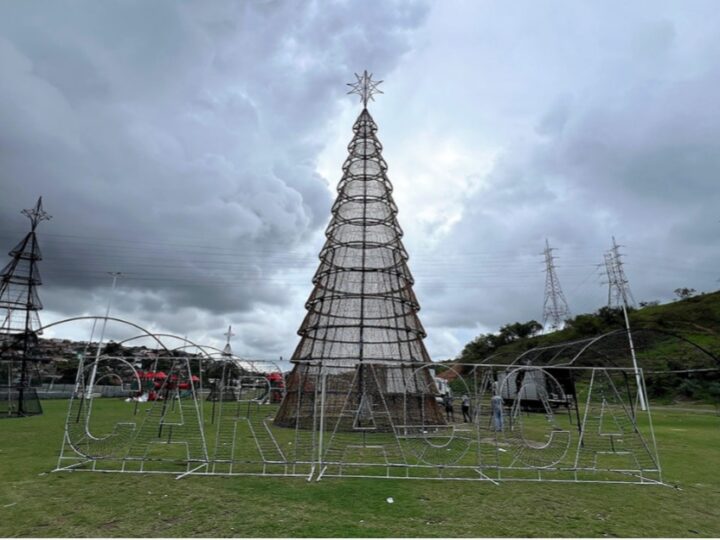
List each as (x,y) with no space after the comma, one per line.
(466,408)
(496,403)
(449,411)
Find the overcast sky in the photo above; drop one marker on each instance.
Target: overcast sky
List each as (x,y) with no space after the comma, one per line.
(196,147)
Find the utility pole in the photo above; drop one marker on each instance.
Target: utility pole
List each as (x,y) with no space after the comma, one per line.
(93,374)
(620,288)
(555,307)
(610,275)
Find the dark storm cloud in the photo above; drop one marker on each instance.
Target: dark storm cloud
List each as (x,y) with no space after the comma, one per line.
(182,143)
(177,142)
(637,157)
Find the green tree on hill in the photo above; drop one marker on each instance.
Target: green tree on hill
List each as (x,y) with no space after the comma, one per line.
(683,293)
(486,344)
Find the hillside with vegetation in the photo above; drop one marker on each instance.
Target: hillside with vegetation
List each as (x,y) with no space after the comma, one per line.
(678,343)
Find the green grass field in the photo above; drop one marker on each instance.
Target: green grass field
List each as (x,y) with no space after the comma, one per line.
(35,502)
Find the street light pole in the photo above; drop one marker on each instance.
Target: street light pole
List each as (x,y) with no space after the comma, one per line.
(115,276)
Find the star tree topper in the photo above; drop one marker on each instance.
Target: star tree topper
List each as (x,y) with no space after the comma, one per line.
(36,214)
(365,87)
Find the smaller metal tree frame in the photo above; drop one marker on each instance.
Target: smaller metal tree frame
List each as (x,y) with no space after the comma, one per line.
(19,304)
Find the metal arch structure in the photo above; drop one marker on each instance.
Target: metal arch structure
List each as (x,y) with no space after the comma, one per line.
(188,343)
(162,433)
(548,430)
(681,357)
(9,344)
(622,332)
(164,427)
(216,354)
(533,356)
(96,318)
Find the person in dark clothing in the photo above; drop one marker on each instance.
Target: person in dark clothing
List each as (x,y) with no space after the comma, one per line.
(466,408)
(449,411)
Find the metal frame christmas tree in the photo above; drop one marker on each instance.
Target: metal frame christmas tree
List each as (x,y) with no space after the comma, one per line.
(19,305)
(361,330)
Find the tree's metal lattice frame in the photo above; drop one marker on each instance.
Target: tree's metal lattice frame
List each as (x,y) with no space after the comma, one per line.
(362,308)
(20,324)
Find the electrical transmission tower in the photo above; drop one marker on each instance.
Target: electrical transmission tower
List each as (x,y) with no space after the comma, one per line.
(619,295)
(609,275)
(20,324)
(618,286)
(555,307)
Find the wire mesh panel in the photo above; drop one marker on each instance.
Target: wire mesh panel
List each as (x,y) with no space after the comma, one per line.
(517,423)
(157,427)
(611,439)
(247,442)
(376,420)
(357,428)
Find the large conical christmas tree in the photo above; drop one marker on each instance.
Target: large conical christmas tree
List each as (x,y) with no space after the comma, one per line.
(362,326)
(19,305)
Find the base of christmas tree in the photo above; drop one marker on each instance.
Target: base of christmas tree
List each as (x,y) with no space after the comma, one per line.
(360,397)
